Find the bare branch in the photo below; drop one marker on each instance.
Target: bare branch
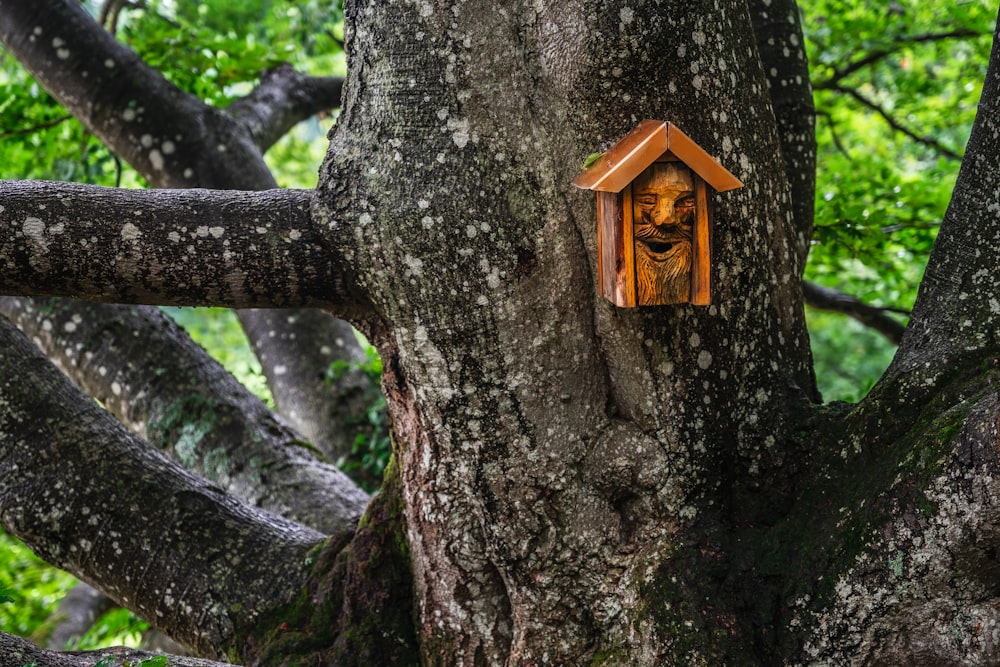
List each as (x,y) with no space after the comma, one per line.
(880,54)
(170,137)
(189,407)
(826,298)
(35,128)
(833,134)
(956,318)
(283,98)
(166,247)
(896,125)
(781,45)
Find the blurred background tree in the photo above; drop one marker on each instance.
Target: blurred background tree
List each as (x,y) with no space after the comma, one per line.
(896,87)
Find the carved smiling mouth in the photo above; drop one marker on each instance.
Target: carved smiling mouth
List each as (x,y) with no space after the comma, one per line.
(659,246)
(662,250)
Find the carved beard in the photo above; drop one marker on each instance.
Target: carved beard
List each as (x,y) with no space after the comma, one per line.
(663,274)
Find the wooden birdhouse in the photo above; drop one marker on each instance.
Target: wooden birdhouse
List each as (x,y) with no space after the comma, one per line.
(654,216)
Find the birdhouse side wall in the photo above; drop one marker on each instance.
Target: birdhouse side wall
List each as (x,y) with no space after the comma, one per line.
(615,249)
(701,267)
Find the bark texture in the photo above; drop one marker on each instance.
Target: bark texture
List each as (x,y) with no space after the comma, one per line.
(167,247)
(17,652)
(782,50)
(541,431)
(58,452)
(328,407)
(577,483)
(151,375)
(282,99)
(175,140)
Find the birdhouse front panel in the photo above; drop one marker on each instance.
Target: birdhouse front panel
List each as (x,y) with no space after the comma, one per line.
(654,218)
(663,223)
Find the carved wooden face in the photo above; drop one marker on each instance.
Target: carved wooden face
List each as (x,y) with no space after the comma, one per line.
(663,203)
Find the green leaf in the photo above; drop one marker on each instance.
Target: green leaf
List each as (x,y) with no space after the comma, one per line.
(591,159)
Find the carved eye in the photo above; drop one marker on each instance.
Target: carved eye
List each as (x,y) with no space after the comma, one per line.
(686,202)
(647,201)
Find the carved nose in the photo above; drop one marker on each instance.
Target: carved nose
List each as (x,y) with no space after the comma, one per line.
(663,214)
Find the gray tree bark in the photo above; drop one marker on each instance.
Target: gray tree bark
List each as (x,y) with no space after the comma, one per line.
(576,483)
(160,384)
(174,140)
(529,446)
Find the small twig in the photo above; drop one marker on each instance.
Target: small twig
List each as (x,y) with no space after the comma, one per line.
(880,54)
(875,317)
(833,133)
(896,125)
(36,128)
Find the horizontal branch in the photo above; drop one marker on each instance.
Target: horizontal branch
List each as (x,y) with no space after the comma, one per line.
(826,298)
(880,54)
(166,247)
(283,98)
(18,652)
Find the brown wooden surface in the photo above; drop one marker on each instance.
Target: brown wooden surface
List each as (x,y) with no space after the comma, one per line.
(664,217)
(645,144)
(626,159)
(615,258)
(701,271)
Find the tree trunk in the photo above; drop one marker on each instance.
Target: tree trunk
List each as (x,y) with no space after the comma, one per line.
(577,483)
(557,451)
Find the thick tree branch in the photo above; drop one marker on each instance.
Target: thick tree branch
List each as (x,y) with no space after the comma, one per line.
(148,372)
(328,410)
(781,45)
(35,128)
(177,141)
(283,98)
(92,498)
(18,652)
(168,136)
(826,298)
(956,318)
(194,247)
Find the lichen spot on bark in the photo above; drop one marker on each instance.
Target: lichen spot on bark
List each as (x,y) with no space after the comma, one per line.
(130,232)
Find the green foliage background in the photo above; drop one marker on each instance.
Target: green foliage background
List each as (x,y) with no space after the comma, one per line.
(881,191)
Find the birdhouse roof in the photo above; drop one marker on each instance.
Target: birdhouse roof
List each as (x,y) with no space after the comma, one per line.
(652,140)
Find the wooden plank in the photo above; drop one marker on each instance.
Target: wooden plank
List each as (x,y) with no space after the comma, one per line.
(701,269)
(621,163)
(628,293)
(615,262)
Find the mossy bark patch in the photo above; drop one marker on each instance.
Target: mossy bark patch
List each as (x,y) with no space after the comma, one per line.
(358,607)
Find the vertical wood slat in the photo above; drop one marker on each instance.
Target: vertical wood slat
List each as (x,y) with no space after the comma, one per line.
(701,269)
(615,252)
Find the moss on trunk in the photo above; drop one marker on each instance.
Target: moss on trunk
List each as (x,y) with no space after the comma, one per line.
(358,607)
